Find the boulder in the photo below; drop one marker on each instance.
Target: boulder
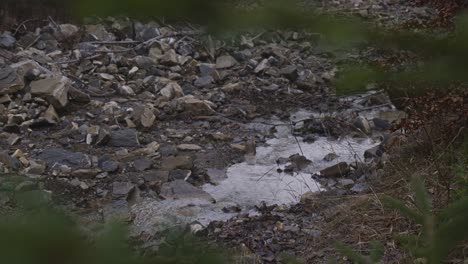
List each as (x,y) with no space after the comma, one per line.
(126,137)
(362,124)
(172,90)
(176,162)
(53,89)
(336,170)
(61,156)
(10,81)
(7,41)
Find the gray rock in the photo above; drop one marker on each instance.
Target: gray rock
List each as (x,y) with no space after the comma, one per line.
(142,164)
(178,162)
(180,189)
(122,189)
(125,137)
(156,176)
(224,62)
(336,170)
(330,156)
(345,182)
(188,147)
(53,89)
(203,81)
(290,72)
(61,156)
(374,152)
(207,69)
(360,187)
(169,58)
(172,90)
(168,150)
(362,124)
(10,81)
(65,31)
(381,124)
(109,165)
(7,41)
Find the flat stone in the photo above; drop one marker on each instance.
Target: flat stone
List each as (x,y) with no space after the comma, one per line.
(122,189)
(64,157)
(180,189)
(52,89)
(109,165)
(188,147)
(147,117)
(224,62)
(85,173)
(125,137)
(142,164)
(336,170)
(177,162)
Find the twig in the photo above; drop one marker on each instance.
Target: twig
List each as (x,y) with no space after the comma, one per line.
(34,42)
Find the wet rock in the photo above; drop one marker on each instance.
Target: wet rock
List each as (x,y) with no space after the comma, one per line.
(172,90)
(188,147)
(7,41)
(298,162)
(125,137)
(180,189)
(178,162)
(52,89)
(374,152)
(330,156)
(362,124)
(336,170)
(381,124)
(10,81)
(53,156)
(215,175)
(224,62)
(109,166)
(142,164)
(117,209)
(195,106)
